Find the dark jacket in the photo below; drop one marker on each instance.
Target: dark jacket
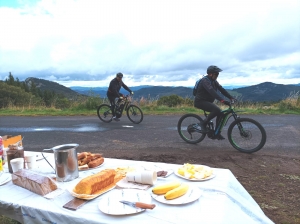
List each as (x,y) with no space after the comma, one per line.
(114,88)
(207,90)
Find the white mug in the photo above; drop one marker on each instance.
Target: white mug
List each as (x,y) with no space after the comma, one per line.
(30,161)
(142,177)
(17,164)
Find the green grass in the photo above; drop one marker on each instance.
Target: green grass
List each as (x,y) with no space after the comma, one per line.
(147,110)
(6,220)
(162,106)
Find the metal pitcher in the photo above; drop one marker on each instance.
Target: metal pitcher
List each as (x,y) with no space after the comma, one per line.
(66,165)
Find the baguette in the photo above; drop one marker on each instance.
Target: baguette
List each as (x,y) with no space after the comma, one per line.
(95,183)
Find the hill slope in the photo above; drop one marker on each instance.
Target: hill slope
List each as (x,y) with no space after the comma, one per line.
(267,91)
(52,86)
(263,92)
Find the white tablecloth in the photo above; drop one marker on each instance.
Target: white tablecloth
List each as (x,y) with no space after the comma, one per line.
(224,200)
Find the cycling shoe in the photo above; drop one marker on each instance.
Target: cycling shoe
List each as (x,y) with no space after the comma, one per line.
(220,137)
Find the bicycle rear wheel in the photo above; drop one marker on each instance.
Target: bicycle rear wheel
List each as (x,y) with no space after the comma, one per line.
(104,113)
(135,114)
(246,135)
(189,128)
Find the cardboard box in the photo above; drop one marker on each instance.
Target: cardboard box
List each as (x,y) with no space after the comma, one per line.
(9,140)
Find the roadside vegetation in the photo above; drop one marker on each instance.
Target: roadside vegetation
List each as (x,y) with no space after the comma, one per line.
(172,104)
(17,98)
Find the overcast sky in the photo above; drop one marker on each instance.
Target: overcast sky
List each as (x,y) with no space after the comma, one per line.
(152,42)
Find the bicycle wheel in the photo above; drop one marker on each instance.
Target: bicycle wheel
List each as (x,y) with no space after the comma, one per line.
(104,113)
(246,135)
(135,114)
(189,129)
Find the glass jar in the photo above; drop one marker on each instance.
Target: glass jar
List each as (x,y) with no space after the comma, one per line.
(12,154)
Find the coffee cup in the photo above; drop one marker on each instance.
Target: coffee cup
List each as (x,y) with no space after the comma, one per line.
(30,161)
(17,164)
(142,177)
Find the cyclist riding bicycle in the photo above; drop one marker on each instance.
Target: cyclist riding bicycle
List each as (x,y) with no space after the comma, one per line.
(113,92)
(207,92)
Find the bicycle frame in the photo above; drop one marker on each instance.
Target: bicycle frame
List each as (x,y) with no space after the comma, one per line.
(225,115)
(126,102)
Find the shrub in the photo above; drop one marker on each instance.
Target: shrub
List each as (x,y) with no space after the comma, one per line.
(170,101)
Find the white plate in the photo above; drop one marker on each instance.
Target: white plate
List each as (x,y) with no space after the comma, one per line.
(111,204)
(4,178)
(191,195)
(92,168)
(89,196)
(194,179)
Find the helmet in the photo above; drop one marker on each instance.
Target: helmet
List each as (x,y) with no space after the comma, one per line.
(120,75)
(213,69)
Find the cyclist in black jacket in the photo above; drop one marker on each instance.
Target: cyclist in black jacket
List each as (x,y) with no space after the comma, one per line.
(206,95)
(113,92)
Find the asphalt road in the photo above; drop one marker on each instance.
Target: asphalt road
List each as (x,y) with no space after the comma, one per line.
(154,133)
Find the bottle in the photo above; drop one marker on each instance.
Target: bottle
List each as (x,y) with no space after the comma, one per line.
(1,154)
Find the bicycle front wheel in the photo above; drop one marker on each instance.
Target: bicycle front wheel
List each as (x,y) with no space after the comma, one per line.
(135,114)
(246,135)
(104,113)
(189,128)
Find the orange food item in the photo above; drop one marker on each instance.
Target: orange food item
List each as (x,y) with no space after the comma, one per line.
(95,183)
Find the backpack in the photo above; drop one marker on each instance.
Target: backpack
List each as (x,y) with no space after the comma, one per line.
(196,87)
(197,84)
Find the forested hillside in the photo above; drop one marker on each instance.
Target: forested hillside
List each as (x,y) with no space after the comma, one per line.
(45,85)
(267,92)
(35,91)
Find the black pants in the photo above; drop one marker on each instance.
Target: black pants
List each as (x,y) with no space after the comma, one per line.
(214,110)
(112,101)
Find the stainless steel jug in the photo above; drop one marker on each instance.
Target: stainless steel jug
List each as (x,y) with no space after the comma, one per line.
(66,165)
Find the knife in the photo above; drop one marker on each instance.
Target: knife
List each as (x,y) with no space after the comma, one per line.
(139,204)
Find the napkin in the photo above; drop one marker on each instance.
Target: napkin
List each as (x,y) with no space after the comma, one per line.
(132,185)
(54,193)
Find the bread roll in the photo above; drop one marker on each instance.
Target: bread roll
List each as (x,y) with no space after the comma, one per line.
(84,167)
(96,162)
(94,183)
(81,156)
(96,156)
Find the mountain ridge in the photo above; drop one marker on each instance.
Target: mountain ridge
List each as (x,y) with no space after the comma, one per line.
(263,92)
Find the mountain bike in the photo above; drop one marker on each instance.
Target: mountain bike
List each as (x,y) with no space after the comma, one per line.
(244,134)
(134,113)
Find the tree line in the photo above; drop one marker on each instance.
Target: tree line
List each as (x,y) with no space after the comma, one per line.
(13,92)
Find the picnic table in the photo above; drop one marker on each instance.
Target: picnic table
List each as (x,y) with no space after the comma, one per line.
(222,200)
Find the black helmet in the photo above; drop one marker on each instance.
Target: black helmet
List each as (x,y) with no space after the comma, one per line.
(120,75)
(213,69)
